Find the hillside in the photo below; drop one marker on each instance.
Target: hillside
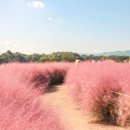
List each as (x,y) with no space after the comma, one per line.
(118,53)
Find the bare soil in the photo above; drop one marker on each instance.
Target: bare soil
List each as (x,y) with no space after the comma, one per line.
(70,113)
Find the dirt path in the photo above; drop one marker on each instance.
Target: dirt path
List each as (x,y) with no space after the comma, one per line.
(70,114)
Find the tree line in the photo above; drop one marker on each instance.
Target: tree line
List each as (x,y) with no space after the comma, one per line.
(9,56)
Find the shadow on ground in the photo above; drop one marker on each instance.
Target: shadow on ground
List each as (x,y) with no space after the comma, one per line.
(53,89)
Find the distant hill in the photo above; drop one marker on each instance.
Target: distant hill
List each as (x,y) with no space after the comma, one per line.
(118,53)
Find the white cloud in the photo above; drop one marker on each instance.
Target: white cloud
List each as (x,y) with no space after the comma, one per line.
(35,4)
(50,18)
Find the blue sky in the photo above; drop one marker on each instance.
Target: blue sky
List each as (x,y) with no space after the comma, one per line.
(45,26)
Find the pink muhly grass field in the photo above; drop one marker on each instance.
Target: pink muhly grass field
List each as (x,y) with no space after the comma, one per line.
(103,88)
(20,107)
(41,76)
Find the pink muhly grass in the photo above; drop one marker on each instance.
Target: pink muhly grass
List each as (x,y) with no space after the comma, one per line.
(94,87)
(20,107)
(40,75)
